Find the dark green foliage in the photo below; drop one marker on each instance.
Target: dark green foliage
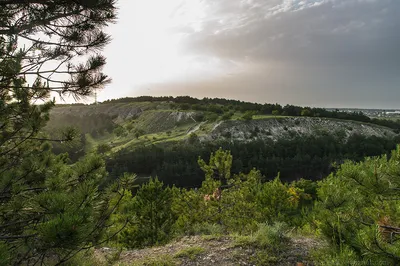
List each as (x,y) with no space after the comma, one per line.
(120,131)
(211,117)
(193,139)
(103,148)
(248,115)
(236,203)
(199,117)
(49,209)
(276,112)
(309,157)
(358,209)
(306,112)
(227,115)
(152,216)
(74,148)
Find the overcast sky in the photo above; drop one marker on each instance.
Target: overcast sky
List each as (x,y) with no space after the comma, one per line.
(329,53)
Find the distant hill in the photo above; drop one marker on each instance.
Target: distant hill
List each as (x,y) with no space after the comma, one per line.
(165,136)
(141,121)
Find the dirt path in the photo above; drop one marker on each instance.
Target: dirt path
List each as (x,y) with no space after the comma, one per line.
(217,251)
(197,127)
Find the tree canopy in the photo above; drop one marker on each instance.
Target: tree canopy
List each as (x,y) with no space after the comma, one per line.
(49,209)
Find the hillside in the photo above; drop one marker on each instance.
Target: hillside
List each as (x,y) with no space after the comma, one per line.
(164,137)
(157,122)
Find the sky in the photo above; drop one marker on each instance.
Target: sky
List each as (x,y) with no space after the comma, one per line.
(327,53)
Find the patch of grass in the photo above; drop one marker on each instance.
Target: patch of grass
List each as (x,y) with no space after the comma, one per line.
(263,257)
(208,229)
(272,237)
(164,260)
(256,117)
(238,254)
(332,256)
(87,259)
(190,253)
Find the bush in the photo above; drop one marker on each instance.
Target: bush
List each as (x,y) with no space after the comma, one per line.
(103,148)
(211,117)
(152,216)
(356,207)
(275,112)
(120,131)
(193,138)
(208,229)
(276,202)
(328,256)
(227,116)
(199,117)
(248,115)
(272,237)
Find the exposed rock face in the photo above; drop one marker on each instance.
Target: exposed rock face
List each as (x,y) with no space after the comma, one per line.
(158,117)
(290,127)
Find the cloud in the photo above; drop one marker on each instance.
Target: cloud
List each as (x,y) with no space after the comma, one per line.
(305,32)
(306,52)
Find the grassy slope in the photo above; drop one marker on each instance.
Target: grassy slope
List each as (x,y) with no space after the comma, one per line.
(156,122)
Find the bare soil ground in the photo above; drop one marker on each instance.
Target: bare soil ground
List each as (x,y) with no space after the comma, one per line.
(215,251)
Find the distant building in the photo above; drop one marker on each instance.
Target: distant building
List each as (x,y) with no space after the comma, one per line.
(393,113)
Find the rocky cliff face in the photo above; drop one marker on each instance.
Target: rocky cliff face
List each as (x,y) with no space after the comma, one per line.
(158,118)
(274,128)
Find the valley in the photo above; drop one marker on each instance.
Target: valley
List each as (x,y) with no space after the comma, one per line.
(164,136)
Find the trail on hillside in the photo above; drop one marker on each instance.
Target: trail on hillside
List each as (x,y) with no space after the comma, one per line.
(197,127)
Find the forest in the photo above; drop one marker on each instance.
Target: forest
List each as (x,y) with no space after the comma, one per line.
(62,203)
(312,157)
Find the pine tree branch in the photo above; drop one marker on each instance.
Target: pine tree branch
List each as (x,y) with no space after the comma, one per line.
(17,30)
(17,237)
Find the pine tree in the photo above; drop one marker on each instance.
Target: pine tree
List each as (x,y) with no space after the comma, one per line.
(151,209)
(358,209)
(49,210)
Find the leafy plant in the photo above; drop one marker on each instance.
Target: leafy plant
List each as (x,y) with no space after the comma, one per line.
(152,216)
(357,209)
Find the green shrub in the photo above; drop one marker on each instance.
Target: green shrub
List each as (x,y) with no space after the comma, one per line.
(264,257)
(120,131)
(103,148)
(208,229)
(211,117)
(272,237)
(199,117)
(153,218)
(248,115)
(193,138)
(277,201)
(275,112)
(356,204)
(330,256)
(227,116)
